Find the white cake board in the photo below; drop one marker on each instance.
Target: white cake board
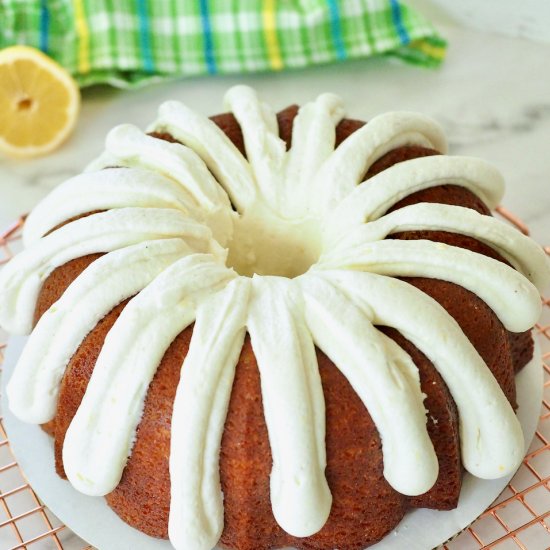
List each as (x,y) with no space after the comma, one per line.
(92,520)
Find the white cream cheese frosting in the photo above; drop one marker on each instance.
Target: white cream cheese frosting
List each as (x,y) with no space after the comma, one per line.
(372,198)
(34,386)
(200,408)
(384,377)
(113,188)
(294,405)
(22,278)
(290,246)
(101,434)
(490,434)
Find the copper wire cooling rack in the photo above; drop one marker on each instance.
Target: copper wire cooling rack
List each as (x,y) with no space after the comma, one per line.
(519,518)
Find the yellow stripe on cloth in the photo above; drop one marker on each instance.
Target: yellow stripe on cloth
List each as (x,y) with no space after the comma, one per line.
(83,32)
(269,19)
(437,52)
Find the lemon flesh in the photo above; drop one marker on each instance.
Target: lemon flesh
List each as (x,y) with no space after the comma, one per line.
(39,102)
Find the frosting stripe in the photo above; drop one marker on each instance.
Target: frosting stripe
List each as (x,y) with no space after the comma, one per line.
(372,198)
(200,409)
(216,150)
(112,188)
(339,175)
(521,251)
(384,378)
(22,278)
(514,299)
(34,386)
(293,406)
(100,437)
(129,144)
(313,139)
(490,433)
(265,150)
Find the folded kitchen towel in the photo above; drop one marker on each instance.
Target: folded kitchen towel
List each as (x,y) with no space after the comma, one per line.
(127,43)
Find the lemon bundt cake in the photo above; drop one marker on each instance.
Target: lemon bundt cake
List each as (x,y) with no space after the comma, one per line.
(263,330)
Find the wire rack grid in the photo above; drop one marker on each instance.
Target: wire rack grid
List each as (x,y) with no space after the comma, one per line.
(519,518)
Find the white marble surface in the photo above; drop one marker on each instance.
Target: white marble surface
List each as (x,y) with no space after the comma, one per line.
(520,18)
(492,96)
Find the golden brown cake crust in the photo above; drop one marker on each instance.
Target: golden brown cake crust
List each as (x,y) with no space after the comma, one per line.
(365,507)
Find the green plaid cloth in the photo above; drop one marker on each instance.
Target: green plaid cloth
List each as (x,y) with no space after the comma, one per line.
(129,42)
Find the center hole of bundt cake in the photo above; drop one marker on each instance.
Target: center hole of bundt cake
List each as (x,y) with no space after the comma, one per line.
(264,244)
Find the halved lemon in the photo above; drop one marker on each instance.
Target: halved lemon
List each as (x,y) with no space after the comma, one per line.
(39,102)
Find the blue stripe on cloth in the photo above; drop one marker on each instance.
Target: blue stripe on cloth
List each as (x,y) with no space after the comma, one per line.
(208,42)
(336,29)
(44,26)
(398,22)
(145,37)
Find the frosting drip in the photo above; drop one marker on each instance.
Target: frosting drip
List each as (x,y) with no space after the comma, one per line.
(113,188)
(372,198)
(307,239)
(294,407)
(491,439)
(22,278)
(101,434)
(34,386)
(216,150)
(128,146)
(384,377)
(339,175)
(200,408)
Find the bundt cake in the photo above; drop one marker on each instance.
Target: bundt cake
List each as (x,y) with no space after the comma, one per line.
(346,315)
